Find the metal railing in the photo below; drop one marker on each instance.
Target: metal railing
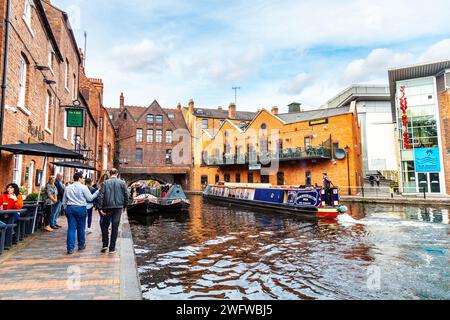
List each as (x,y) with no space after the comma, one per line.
(288,154)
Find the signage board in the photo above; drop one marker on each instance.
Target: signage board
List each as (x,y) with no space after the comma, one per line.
(254,166)
(318,122)
(74,118)
(427,160)
(303,198)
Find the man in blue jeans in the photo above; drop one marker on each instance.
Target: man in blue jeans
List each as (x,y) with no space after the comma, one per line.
(112,201)
(75,199)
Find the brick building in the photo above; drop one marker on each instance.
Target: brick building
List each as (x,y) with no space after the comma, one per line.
(146,143)
(293,148)
(43,71)
(421,111)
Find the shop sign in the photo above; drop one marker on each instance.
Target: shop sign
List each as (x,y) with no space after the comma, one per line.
(427,160)
(404,107)
(74,118)
(254,167)
(318,122)
(36,131)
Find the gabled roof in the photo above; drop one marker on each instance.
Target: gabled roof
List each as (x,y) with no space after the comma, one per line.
(223,114)
(313,114)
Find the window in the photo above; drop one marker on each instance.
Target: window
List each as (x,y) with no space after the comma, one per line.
(22,81)
(17,171)
(217,178)
(150,118)
(238,178)
(307,142)
(100,152)
(280,178)
(204,181)
(205,124)
(168,156)
(227,178)
(159,118)
(139,156)
(150,136)
(101,123)
(171,116)
(27,13)
(66,75)
(250,178)
(308,178)
(48,111)
(169,136)
(50,56)
(125,116)
(139,135)
(158,136)
(264,179)
(74,86)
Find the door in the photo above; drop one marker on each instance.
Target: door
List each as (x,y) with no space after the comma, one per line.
(422,179)
(430,181)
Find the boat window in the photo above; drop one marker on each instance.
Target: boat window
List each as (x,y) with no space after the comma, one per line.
(308,178)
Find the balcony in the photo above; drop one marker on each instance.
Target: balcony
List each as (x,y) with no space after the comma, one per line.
(290,154)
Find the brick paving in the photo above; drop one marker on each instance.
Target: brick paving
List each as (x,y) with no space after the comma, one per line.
(38,268)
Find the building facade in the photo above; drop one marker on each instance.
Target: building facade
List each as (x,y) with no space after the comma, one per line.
(294,148)
(421,110)
(373,103)
(149,143)
(43,72)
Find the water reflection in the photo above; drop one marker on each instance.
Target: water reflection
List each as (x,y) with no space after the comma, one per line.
(218,252)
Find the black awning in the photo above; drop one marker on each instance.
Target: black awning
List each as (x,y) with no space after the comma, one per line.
(73,164)
(41,149)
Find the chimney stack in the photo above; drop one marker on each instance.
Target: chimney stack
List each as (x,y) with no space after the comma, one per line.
(179,106)
(275,110)
(295,107)
(191,106)
(122,102)
(219,108)
(232,111)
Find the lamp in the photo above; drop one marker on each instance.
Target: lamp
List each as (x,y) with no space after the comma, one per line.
(347,150)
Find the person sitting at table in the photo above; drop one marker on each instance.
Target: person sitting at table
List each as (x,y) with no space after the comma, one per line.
(50,199)
(12,199)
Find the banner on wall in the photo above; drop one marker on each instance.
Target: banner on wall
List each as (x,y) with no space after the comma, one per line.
(427,160)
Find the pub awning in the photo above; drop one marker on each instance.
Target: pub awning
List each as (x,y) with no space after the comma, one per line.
(74,164)
(41,149)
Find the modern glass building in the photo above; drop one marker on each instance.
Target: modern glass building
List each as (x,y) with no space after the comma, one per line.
(419,97)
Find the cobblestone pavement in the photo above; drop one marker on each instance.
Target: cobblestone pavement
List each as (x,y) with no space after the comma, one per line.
(39,268)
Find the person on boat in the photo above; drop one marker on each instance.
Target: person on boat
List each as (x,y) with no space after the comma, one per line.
(327,187)
(112,201)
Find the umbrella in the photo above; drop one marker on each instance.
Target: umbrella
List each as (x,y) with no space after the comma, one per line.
(41,149)
(73,164)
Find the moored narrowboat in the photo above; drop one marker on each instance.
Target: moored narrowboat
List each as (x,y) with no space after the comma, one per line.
(313,201)
(145,199)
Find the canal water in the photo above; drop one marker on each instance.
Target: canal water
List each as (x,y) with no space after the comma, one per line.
(218,252)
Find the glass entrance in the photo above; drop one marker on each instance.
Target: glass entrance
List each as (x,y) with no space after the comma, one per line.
(429,181)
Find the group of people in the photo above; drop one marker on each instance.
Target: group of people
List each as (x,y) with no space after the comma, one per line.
(110,198)
(78,200)
(374,180)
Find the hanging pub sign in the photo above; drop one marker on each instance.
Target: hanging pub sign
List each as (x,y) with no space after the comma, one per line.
(74,118)
(318,122)
(404,107)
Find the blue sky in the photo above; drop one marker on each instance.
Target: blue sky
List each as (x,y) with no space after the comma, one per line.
(276,51)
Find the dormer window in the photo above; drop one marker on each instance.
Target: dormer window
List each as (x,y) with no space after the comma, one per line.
(150,118)
(159,118)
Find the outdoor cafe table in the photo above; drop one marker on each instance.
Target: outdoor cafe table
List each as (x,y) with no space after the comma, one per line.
(7,216)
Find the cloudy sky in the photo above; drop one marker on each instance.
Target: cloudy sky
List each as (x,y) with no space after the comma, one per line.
(276,51)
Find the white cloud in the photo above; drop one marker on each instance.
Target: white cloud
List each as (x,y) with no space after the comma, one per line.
(439,51)
(296,85)
(145,56)
(375,65)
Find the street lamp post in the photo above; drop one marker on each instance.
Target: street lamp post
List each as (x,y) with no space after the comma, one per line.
(347,150)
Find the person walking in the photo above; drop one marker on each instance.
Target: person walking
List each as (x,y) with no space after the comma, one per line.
(372,181)
(112,201)
(56,211)
(75,200)
(50,200)
(90,205)
(377,180)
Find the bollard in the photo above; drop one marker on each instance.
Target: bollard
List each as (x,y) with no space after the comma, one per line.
(424,194)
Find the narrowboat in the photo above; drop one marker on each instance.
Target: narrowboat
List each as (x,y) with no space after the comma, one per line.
(314,201)
(160,199)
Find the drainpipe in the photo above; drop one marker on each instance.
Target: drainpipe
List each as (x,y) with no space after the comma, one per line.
(5,65)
